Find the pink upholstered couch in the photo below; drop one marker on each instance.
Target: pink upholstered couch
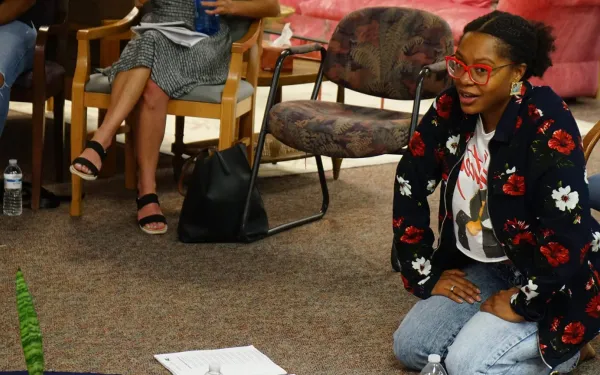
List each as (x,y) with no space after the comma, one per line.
(576,26)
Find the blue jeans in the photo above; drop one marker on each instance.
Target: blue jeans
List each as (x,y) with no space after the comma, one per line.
(594,187)
(16,56)
(473,342)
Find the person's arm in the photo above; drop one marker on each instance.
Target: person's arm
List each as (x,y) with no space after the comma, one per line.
(247,8)
(417,175)
(563,234)
(10,10)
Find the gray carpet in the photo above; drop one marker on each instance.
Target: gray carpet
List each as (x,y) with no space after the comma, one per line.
(320,299)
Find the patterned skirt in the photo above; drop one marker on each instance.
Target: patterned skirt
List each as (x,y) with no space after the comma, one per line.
(174,68)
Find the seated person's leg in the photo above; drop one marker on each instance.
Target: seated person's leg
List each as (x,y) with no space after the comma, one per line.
(432,324)
(16,56)
(594,187)
(490,345)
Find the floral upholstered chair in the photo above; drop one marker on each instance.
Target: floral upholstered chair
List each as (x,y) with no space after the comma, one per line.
(387,52)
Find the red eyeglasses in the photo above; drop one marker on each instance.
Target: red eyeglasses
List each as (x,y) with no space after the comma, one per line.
(478,73)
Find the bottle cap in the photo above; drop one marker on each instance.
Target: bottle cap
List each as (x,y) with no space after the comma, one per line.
(434,358)
(12,162)
(213,366)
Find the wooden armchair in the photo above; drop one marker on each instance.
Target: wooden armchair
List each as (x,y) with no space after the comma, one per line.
(590,140)
(232,103)
(46,80)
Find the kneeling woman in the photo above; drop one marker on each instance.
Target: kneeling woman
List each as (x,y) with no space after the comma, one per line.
(511,286)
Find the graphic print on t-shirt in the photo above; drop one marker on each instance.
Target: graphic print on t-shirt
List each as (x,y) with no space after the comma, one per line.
(472,225)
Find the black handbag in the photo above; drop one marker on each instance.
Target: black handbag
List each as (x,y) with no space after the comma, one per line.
(214,203)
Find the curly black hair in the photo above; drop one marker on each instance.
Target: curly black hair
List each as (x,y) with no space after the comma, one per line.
(522,41)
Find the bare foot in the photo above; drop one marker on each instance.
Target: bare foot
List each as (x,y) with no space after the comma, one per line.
(93,157)
(151,209)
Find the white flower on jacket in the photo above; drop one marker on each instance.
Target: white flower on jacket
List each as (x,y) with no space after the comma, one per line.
(511,171)
(452,144)
(431,185)
(530,290)
(404,186)
(596,241)
(585,176)
(513,298)
(565,198)
(423,266)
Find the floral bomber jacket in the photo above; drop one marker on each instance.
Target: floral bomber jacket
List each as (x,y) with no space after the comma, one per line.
(538,206)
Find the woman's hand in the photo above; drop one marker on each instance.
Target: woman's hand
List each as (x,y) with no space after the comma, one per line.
(453,285)
(220,7)
(499,305)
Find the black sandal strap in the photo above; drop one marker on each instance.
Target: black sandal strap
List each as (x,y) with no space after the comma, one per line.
(146,200)
(98,148)
(88,164)
(152,219)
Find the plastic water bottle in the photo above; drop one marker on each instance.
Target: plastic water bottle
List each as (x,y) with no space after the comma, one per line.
(434,367)
(208,24)
(13,184)
(214,369)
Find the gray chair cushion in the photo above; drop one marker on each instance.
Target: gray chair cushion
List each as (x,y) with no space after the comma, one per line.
(98,83)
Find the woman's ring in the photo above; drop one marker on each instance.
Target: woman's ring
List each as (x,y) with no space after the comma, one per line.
(452,288)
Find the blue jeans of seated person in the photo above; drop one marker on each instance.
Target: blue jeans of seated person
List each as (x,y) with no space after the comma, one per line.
(473,342)
(594,187)
(17,47)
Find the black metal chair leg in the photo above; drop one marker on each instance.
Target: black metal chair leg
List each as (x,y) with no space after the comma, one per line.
(263,135)
(293,224)
(309,219)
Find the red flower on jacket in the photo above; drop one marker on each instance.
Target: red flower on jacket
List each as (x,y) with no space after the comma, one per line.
(555,253)
(555,324)
(547,232)
(412,235)
(524,237)
(444,106)
(439,155)
(545,126)
(562,142)
(543,348)
(534,112)
(398,222)
(593,307)
(515,185)
(416,145)
(584,252)
(590,284)
(573,333)
(406,284)
(519,123)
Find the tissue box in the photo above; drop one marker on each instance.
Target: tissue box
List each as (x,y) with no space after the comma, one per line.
(269,58)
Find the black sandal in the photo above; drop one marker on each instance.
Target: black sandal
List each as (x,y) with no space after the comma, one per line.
(144,201)
(86,163)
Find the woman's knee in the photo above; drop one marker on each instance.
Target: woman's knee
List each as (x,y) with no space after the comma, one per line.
(409,349)
(153,96)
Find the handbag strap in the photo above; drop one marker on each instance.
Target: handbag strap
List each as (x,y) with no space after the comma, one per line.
(185,167)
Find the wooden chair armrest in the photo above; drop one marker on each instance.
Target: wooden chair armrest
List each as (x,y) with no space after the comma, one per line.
(248,40)
(115,28)
(590,140)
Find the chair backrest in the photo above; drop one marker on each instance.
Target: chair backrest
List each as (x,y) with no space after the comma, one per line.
(380,51)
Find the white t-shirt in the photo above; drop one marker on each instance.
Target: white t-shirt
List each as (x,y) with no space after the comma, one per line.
(472,225)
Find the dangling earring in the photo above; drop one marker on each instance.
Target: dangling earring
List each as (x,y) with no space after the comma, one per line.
(515,88)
